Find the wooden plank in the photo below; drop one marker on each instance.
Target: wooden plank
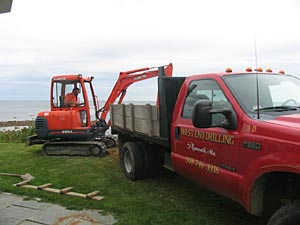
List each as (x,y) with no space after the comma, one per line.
(92,194)
(150,120)
(98,198)
(156,129)
(118,115)
(53,190)
(155,114)
(30,186)
(22,183)
(41,187)
(131,108)
(76,194)
(10,174)
(65,190)
(112,116)
(123,116)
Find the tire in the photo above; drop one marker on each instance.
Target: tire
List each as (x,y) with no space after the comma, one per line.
(132,161)
(286,215)
(109,142)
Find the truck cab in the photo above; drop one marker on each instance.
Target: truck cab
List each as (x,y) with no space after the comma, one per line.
(236,134)
(232,130)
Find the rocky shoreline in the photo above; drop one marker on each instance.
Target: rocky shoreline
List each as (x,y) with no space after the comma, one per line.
(16,123)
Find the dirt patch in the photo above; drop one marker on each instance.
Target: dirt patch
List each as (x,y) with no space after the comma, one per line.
(114,153)
(16,123)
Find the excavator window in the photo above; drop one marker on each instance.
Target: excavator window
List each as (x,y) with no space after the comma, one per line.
(63,88)
(57,98)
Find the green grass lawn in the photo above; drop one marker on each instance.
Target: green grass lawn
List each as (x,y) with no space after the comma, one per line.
(167,199)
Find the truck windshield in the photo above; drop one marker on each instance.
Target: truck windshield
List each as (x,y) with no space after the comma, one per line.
(278,94)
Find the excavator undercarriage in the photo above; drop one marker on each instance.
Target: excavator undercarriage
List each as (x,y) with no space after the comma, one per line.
(96,149)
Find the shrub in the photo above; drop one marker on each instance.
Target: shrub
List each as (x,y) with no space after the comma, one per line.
(16,136)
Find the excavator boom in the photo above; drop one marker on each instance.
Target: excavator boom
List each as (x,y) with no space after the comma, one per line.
(125,80)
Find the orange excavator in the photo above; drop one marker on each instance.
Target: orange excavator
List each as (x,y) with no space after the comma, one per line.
(80,128)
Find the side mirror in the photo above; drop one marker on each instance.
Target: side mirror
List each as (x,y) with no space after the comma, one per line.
(231,121)
(201,115)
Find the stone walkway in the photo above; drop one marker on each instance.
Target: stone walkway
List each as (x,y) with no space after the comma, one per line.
(15,211)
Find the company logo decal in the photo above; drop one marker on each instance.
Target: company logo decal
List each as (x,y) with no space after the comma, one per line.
(210,168)
(208,136)
(191,146)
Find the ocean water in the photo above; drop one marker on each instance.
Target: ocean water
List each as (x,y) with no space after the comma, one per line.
(27,110)
(21,110)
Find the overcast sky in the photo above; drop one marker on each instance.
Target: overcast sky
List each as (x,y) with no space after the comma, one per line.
(42,38)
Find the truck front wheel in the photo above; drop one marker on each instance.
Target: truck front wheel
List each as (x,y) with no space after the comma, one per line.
(132,161)
(286,215)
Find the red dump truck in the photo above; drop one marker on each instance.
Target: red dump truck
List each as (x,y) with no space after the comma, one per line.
(237,134)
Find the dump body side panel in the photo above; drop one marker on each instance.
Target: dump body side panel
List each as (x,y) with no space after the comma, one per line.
(149,122)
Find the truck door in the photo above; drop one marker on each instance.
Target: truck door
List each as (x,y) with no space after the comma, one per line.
(208,156)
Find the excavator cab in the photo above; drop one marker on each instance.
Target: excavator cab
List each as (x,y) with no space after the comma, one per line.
(68,121)
(68,128)
(83,110)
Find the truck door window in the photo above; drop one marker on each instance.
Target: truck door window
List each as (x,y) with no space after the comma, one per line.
(205,90)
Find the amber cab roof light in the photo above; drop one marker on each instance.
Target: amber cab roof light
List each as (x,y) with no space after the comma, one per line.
(228,70)
(259,69)
(249,69)
(269,70)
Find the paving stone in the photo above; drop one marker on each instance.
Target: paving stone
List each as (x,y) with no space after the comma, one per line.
(26,222)
(16,212)
(108,220)
(65,221)
(9,221)
(97,217)
(32,205)
(83,222)
(7,199)
(51,215)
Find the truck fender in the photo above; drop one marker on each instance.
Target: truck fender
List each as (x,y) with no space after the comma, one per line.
(254,180)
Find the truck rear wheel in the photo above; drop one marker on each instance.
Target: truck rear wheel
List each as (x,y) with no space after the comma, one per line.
(132,161)
(286,215)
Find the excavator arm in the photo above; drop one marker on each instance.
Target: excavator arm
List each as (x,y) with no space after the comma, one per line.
(125,80)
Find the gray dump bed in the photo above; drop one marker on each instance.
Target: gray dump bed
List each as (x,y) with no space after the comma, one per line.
(142,119)
(148,122)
